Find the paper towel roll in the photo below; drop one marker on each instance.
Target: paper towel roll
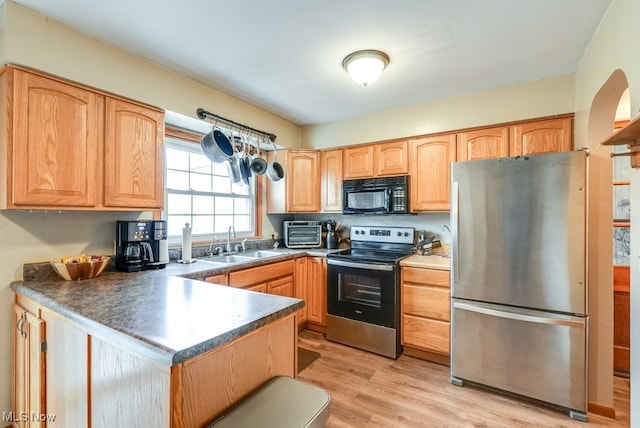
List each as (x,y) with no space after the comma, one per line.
(186,243)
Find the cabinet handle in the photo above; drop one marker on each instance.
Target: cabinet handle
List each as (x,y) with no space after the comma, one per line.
(20,324)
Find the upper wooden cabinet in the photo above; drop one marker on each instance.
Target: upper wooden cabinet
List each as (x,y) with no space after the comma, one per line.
(430,172)
(331,180)
(299,190)
(52,142)
(544,136)
(64,146)
(133,155)
(358,162)
(373,160)
(527,138)
(483,143)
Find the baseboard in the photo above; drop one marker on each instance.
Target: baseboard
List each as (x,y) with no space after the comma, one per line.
(601,409)
(317,328)
(426,355)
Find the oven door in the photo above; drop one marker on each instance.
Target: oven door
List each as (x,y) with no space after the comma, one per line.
(362,291)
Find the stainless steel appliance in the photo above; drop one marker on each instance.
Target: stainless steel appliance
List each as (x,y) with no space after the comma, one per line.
(388,195)
(302,234)
(363,289)
(518,280)
(140,245)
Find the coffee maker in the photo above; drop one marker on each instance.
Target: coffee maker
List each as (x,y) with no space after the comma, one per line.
(139,245)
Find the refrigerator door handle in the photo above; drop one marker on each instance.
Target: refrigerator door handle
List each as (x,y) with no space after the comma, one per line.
(520,316)
(454,231)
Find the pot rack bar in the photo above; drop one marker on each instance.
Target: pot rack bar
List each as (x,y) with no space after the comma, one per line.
(203,114)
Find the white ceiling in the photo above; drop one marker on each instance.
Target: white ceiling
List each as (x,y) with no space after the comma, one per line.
(286,55)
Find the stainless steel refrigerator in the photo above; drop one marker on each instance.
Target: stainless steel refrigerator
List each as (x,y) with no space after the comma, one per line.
(519,320)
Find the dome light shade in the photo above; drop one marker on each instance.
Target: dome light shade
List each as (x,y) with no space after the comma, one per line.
(366,66)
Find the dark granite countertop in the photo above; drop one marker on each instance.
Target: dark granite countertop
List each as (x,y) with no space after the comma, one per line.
(169,315)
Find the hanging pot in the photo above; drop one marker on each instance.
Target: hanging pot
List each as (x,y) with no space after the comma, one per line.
(216,146)
(258,165)
(275,171)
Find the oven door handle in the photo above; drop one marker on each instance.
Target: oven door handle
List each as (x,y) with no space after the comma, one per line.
(359,265)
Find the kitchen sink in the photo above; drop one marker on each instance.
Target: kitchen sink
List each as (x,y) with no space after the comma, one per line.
(259,254)
(226,260)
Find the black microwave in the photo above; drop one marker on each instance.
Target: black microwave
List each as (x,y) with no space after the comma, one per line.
(388,195)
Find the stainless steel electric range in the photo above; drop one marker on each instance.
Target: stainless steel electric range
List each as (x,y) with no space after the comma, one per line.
(363,289)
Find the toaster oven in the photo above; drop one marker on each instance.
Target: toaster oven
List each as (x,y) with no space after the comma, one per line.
(302,234)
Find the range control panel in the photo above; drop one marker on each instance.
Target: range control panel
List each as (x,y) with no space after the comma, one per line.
(382,234)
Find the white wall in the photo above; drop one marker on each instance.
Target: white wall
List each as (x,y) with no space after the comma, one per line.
(524,101)
(615,47)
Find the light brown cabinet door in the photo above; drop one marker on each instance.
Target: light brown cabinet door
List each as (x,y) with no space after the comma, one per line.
(483,144)
(28,366)
(217,279)
(301,287)
(358,162)
(331,180)
(133,155)
(391,158)
(317,282)
(282,286)
(55,149)
(430,172)
(425,333)
(426,309)
(302,181)
(544,136)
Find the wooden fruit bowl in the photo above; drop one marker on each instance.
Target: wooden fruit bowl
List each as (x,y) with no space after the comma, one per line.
(75,270)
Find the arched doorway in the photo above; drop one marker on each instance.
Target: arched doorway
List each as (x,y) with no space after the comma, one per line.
(600,125)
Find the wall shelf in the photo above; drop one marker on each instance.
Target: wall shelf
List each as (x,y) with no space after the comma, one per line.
(629,135)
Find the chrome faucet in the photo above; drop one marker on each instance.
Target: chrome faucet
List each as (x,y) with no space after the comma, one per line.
(244,245)
(229,238)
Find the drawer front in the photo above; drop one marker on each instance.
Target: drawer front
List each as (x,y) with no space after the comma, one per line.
(427,334)
(425,301)
(217,279)
(258,274)
(439,278)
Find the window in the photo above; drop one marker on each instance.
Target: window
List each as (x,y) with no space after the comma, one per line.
(201,193)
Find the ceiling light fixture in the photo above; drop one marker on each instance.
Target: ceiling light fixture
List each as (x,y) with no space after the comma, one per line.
(366,66)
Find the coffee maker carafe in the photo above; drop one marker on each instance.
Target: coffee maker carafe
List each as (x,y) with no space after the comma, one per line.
(138,245)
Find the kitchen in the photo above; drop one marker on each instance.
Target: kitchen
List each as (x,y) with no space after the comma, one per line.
(33,239)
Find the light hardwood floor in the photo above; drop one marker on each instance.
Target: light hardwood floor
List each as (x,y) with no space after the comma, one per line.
(370,391)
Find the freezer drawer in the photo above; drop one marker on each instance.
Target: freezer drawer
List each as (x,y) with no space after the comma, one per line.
(535,354)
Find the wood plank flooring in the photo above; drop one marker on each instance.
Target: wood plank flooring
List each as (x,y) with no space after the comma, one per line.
(370,391)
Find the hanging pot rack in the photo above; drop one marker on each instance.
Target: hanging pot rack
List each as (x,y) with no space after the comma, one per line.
(203,114)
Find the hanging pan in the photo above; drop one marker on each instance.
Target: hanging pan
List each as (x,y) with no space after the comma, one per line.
(258,165)
(275,171)
(216,146)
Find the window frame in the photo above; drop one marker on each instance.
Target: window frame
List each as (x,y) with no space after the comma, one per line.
(182,136)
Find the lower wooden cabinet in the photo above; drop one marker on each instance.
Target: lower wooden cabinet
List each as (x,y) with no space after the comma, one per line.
(218,279)
(621,320)
(311,285)
(302,289)
(83,380)
(304,278)
(426,313)
(28,380)
(276,278)
(317,290)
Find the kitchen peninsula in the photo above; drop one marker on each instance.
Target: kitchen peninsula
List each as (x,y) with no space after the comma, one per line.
(161,347)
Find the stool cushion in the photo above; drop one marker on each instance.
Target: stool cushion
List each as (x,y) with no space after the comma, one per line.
(283,402)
